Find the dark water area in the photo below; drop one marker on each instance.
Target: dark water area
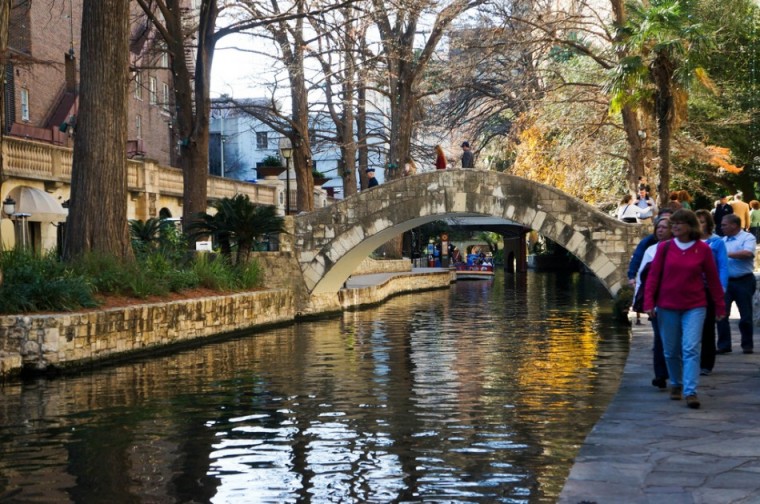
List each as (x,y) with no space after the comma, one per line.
(480,393)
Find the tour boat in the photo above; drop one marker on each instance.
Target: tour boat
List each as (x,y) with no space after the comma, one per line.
(474,271)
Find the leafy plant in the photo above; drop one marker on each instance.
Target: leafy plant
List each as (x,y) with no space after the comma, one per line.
(272,161)
(238,223)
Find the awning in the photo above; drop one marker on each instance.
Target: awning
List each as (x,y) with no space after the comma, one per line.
(41,206)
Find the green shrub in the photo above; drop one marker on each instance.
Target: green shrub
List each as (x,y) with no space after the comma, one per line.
(41,283)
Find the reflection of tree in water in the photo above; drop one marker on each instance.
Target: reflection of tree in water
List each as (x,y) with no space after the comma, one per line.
(478,387)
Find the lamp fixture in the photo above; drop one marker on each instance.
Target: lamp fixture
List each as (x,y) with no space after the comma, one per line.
(9,206)
(286,148)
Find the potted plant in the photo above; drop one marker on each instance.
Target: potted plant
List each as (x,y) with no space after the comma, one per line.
(271,166)
(319,177)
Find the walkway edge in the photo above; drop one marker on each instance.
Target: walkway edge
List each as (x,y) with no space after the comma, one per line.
(647,448)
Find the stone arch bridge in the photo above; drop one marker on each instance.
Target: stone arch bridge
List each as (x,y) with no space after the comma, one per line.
(331,242)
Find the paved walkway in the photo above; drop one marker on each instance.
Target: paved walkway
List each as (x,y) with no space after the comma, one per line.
(647,448)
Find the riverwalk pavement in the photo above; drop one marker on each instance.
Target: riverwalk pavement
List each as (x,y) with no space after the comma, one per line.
(649,449)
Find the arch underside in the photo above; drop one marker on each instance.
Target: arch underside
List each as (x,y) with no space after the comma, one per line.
(333,242)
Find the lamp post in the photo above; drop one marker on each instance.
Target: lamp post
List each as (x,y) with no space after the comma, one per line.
(286,150)
(20,219)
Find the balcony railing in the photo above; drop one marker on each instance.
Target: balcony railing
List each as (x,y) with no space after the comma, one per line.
(26,159)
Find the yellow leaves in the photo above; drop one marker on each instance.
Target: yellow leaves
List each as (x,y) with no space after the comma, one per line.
(721,158)
(704,79)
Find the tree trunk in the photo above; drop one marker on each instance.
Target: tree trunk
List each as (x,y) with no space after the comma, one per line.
(361,133)
(195,111)
(663,76)
(98,212)
(631,125)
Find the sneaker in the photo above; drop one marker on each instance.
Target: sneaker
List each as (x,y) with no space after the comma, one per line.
(675,393)
(705,372)
(692,402)
(722,351)
(747,350)
(660,383)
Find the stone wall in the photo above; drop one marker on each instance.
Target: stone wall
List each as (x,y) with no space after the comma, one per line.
(370,266)
(74,339)
(64,340)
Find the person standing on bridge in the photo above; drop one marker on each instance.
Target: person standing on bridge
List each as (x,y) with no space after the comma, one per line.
(371,180)
(468,159)
(675,294)
(440,158)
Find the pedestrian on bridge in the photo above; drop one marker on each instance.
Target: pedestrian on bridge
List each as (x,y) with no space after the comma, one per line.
(440,158)
(468,159)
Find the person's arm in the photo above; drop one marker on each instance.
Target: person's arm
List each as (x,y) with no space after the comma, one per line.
(714,285)
(638,255)
(747,249)
(721,262)
(653,280)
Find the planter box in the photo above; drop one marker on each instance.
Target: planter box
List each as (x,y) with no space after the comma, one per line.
(270,171)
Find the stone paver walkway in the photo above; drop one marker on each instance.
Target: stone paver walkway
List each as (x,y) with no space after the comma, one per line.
(647,448)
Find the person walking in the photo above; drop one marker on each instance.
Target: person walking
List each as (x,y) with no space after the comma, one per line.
(662,233)
(468,159)
(740,246)
(440,158)
(684,199)
(675,295)
(754,218)
(707,227)
(741,209)
(721,210)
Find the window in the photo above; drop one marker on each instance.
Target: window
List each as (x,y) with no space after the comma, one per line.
(138,125)
(153,90)
(261,140)
(24,104)
(138,85)
(165,93)
(164,59)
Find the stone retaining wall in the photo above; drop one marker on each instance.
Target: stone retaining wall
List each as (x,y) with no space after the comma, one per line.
(67,340)
(397,284)
(75,339)
(370,266)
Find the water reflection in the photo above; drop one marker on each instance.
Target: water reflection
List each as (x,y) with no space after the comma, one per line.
(480,393)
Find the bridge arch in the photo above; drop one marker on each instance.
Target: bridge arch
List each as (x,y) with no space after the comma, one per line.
(331,242)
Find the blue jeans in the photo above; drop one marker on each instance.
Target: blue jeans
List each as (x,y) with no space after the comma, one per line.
(740,291)
(681,332)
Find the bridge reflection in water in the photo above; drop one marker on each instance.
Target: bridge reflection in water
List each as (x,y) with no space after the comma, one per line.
(480,393)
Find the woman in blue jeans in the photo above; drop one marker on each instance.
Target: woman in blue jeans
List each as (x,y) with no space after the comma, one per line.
(675,294)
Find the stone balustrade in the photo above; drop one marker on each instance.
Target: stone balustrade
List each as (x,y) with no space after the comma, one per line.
(51,164)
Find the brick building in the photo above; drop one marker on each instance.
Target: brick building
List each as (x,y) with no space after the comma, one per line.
(43,75)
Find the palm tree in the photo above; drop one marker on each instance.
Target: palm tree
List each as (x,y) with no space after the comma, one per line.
(659,40)
(238,222)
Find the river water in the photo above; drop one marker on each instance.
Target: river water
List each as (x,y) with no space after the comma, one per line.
(480,393)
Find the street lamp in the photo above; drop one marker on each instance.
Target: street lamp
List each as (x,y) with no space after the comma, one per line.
(9,206)
(286,150)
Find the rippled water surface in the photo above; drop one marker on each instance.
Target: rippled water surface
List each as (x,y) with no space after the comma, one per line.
(480,393)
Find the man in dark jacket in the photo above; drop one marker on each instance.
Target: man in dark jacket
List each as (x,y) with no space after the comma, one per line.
(722,209)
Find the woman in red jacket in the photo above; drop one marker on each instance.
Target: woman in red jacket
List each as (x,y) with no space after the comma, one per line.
(440,158)
(675,294)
